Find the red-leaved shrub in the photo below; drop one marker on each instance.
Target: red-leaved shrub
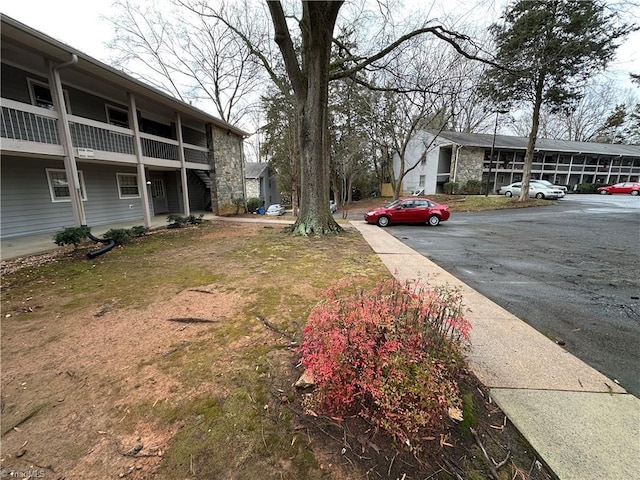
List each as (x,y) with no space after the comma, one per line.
(391,354)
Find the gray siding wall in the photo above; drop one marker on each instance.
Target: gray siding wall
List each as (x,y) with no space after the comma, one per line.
(14,84)
(26,207)
(16,87)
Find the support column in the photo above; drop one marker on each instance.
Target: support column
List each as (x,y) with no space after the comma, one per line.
(215,207)
(137,146)
(183,168)
(70,167)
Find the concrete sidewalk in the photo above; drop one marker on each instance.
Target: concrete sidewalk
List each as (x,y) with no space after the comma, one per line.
(582,424)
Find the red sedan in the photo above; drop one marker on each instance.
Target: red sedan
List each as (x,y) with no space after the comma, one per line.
(409,210)
(625,187)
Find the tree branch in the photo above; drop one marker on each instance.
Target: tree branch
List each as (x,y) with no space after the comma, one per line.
(282,38)
(446,35)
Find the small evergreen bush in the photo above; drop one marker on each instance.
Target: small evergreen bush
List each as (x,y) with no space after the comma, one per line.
(586,188)
(391,355)
(193,220)
(472,187)
(119,235)
(253,204)
(71,236)
(451,188)
(139,230)
(176,220)
(123,235)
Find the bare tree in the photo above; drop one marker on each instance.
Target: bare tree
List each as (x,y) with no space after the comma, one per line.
(194,58)
(581,122)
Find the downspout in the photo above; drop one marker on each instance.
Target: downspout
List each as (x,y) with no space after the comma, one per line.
(71,169)
(455,167)
(244,180)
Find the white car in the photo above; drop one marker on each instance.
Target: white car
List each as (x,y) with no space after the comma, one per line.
(536,190)
(549,184)
(275,210)
(333,206)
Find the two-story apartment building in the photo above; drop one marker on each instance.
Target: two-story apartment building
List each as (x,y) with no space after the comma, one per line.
(85,144)
(460,157)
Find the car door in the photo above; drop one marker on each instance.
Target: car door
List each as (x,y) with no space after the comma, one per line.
(421,211)
(516,188)
(403,212)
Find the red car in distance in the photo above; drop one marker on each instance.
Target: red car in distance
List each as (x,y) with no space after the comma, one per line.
(409,210)
(632,188)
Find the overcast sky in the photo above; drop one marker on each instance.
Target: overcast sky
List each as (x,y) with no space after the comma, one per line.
(80,24)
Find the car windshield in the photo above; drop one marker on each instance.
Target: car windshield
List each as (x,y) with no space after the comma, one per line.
(393,204)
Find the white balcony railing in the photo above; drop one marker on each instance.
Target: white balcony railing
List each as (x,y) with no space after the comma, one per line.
(100,136)
(25,122)
(32,124)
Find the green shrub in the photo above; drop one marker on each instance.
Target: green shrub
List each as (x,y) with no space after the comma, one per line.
(176,220)
(391,355)
(253,204)
(71,236)
(119,235)
(472,187)
(451,188)
(123,235)
(139,230)
(193,220)
(586,188)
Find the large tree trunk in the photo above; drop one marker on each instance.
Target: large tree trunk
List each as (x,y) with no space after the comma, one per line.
(533,136)
(310,82)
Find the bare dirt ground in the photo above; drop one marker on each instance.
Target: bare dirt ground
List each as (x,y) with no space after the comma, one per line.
(157,361)
(71,382)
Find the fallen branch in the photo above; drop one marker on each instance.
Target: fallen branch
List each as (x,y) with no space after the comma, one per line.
(490,463)
(279,331)
(452,468)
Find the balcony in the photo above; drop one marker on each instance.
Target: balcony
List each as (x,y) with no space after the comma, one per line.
(35,130)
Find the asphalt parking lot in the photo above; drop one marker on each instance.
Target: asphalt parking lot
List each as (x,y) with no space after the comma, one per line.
(570,270)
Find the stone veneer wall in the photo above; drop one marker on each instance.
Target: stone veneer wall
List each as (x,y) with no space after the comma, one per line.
(227,175)
(253,187)
(470,160)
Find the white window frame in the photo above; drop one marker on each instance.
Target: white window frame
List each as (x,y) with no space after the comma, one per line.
(31,82)
(422,180)
(108,107)
(120,185)
(56,199)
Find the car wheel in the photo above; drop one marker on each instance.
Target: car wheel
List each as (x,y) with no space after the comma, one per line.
(434,220)
(508,194)
(603,192)
(383,221)
(634,192)
(539,195)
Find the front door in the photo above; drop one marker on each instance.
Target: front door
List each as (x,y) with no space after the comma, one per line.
(159,195)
